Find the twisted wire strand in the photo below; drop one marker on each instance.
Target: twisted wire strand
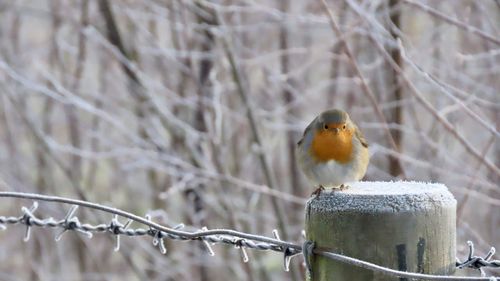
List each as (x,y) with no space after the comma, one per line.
(240,240)
(477,262)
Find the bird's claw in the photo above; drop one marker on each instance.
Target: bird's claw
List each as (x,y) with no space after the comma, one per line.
(318,191)
(343,187)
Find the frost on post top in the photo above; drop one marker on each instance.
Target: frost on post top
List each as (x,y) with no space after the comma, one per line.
(384,197)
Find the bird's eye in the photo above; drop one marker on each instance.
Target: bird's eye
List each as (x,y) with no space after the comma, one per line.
(325,127)
(343,127)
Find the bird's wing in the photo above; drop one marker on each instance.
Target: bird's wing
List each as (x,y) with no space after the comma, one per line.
(308,128)
(361,137)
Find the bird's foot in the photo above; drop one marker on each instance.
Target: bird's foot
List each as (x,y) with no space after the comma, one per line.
(343,187)
(318,191)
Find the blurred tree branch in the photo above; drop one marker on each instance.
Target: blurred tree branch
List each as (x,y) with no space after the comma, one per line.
(364,85)
(464,26)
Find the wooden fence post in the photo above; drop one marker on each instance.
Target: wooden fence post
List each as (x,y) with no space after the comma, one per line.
(406,226)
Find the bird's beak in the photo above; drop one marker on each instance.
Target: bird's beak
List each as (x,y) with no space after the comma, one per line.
(336,130)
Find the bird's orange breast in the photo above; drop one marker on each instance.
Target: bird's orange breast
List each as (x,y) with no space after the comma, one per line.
(327,145)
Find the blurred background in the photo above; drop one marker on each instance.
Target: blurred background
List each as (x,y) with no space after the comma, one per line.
(190,111)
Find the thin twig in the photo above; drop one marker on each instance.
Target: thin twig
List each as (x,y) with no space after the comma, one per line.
(466,27)
(364,85)
(236,74)
(427,105)
(441,85)
(461,207)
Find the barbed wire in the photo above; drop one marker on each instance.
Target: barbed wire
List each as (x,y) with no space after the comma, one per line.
(476,262)
(208,237)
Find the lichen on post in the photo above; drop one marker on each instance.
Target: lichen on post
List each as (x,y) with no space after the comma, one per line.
(407,226)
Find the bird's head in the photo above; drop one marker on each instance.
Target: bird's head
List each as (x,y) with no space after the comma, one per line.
(334,122)
(333,134)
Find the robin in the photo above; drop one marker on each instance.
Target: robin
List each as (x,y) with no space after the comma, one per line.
(333,151)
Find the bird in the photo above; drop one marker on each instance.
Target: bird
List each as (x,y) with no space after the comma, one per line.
(332,151)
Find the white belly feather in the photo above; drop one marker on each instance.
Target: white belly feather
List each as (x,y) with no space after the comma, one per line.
(333,173)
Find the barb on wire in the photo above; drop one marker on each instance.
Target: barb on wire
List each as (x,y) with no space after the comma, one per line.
(476,262)
(26,219)
(288,254)
(114,228)
(208,237)
(205,242)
